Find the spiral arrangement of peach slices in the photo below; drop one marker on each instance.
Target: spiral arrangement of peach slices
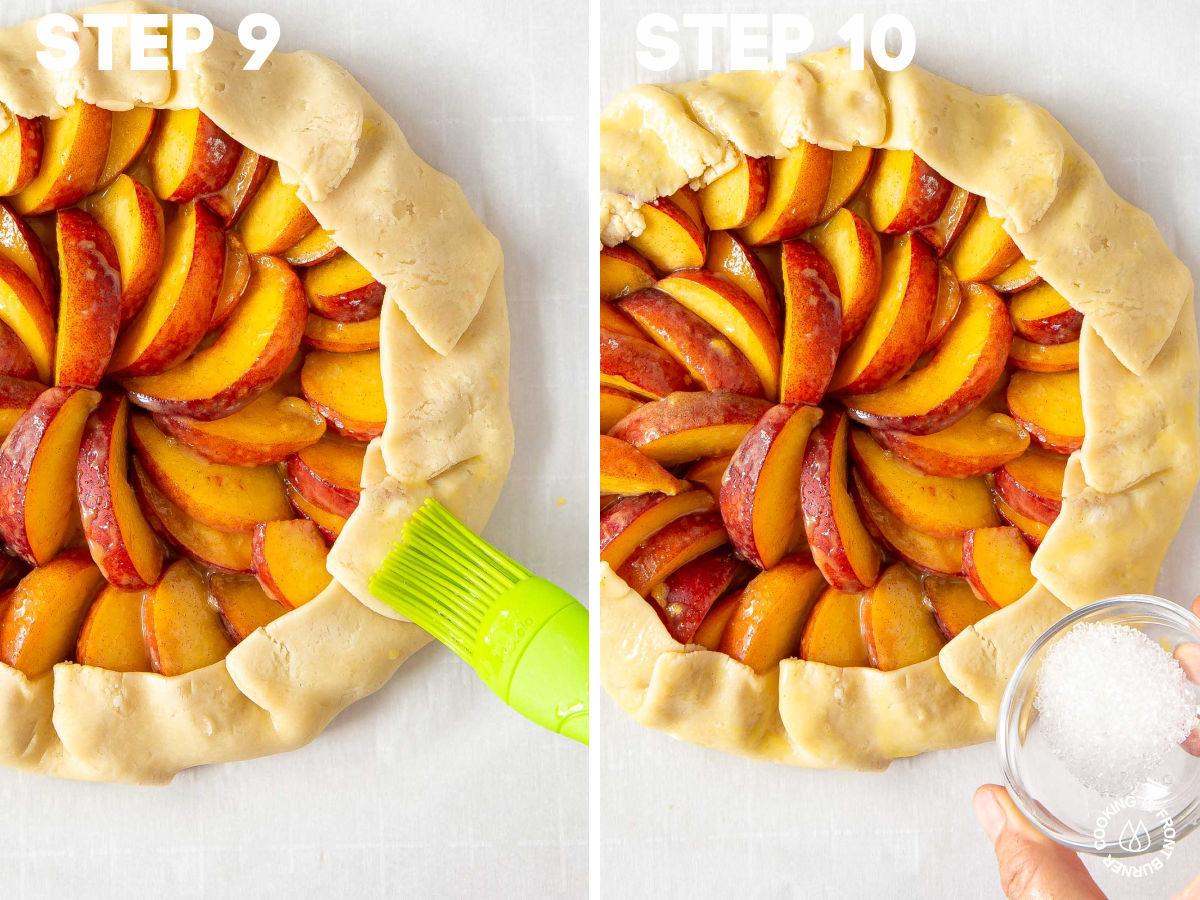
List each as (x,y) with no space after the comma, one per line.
(161,286)
(836,406)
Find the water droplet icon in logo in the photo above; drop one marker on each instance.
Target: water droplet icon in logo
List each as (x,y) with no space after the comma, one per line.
(1135,838)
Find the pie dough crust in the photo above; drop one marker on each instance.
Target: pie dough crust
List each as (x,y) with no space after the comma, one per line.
(1125,492)
(444,352)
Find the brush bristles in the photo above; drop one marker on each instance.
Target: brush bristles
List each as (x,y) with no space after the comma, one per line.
(444,578)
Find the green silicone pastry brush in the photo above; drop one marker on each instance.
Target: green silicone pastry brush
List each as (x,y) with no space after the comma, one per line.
(525,637)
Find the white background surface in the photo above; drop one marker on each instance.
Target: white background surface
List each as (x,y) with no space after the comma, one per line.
(429,788)
(680,821)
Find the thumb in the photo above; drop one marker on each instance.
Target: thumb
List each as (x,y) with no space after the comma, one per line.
(1031,865)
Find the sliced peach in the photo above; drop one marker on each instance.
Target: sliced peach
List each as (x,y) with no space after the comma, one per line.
(671,238)
(1018,277)
(1049,406)
(904,193)
(848,174)
(315,247)
(256,346)
(341,337)
(235,278)
(709,473)
(687,200)
(329,523)
(687,425)
(15,361)
(731,311)
(42,620)
(954,605)
(74,150)
(943,231)
(121,540)
(798,185)
(22,245)
(964,369)
(182,631)
(622,271)
(229,498)
(614,406)
(242,603)
(132,217)
(626,470)
(894,333)
(686,597)
(16,396)
(840,544)
(20,154)
(769,619)
(38,512)
(130,133)
(984,249)
(710,358)
(738,196)
(832,634)
(812,331)
(612,319)
(631,521)
(931,504)
(1032,484)
(708,635)
(761,488)
(898,628)
(1032,530)
(979,442)
(329,473)
(996,562)
(226,551)
(949,299)
(341,289)
(180,308)
(852,249)
(24,310)
(190,157)
(1042,315)
(732,260)
(922,551)
(640,367)
(247,176)
(289,561)
(275,218)
(89,307)
(1024,354)
(347,389)
(111,634)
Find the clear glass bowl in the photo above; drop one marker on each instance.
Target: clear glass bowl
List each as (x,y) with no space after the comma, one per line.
(1153,816)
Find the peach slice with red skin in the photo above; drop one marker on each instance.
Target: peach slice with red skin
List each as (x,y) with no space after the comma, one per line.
(631,521)
(15,361)
(341,337)
(1031,529)
(894,333)
(671,238)
(984,249)
(710,472)
(243,604)
(904,193)
(275,218)
(996,562)
(686,597)
(89,305)
(898,628)
(21,245)
(343,290)
(708,635)
(954,605)
(761,487)
(347,389)
(622,271)
(289,561)
(1018,277)
(942,556)
(329,473)
(840,544)
(614,406)
(612,319)
(16,396)
(943,231)
(949,300)
(247,176)
(315,247)
(729,258)
(976,444)
(812,331)
(120,539)
(41,622)
(1042,315)
(24,310)
(1049,406)
(330,524)
(190,156)
(20,154)
(179,310)
(235,278)
(964,369)
(129,135)
(687,425)
(796,191)
(710,358)
(852,249)
(625,470)
(1032,357)
(182,631)
(130,215)
(768,621)
(253,350)
(1032,484)
(735,198)
(640,367)
(847,175)
(38,510)
(74,150)
(111,635)
(932,504)
(832,635)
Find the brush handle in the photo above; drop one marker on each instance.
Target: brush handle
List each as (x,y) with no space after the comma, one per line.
(532,651)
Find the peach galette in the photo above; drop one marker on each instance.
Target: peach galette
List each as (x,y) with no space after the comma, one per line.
(230,328)
(873,413)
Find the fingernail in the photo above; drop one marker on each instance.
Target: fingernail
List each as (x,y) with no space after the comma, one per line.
(990,814)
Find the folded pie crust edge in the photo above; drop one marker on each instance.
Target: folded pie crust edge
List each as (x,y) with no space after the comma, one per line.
(1125,492)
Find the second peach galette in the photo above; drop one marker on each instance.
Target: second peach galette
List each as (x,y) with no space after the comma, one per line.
(855,406)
